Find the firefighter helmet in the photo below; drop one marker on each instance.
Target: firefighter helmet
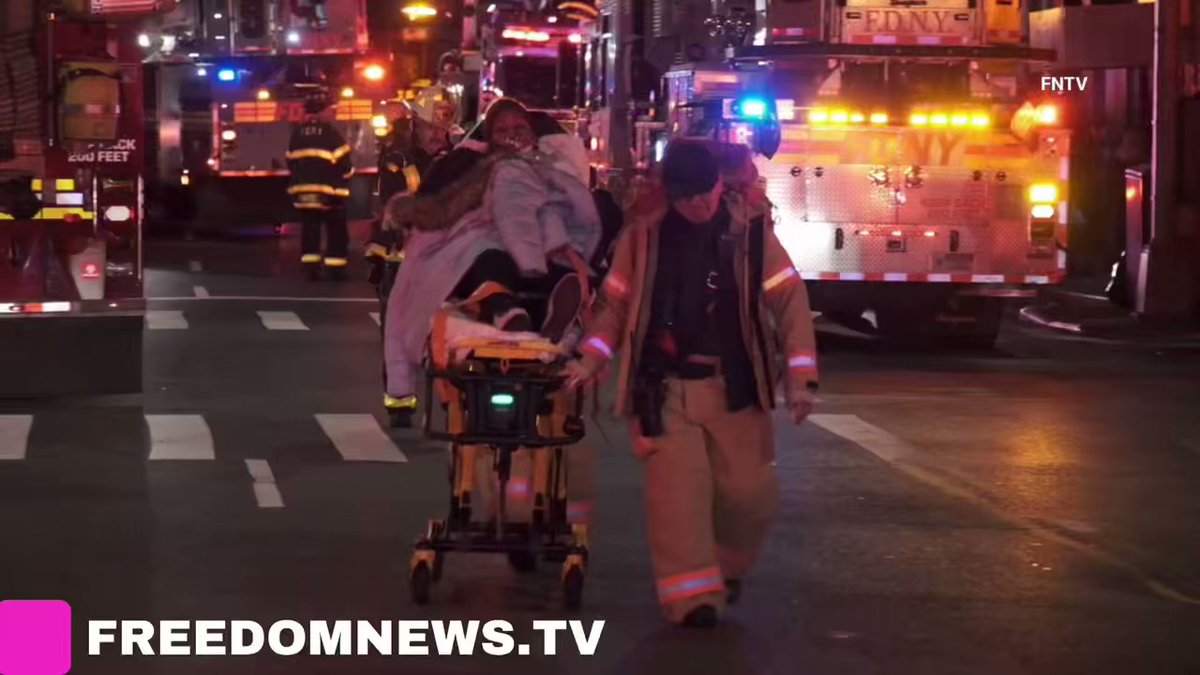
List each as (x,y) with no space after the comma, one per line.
(435,106)
(316,101)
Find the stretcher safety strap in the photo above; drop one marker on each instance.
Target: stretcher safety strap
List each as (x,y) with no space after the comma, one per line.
(597,345)
(780,278)
(684,586)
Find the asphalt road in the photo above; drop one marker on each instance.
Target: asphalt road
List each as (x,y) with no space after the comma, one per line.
(1031,509)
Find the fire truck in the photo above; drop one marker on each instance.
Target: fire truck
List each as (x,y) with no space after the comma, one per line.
(533,58)
(916,171)
(71,275)
(238,94)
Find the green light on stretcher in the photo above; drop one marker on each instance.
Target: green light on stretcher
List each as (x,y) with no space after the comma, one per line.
(502,400)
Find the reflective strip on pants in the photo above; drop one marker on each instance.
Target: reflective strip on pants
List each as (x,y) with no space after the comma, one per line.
(684,586)
(311,259)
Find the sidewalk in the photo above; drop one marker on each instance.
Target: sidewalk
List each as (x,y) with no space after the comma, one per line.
(1074,310)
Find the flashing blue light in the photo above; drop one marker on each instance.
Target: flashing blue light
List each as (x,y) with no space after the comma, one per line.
(227,74)
(754,107)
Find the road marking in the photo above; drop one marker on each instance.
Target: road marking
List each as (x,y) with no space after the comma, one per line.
(161,319)
(266,492)
(375,317)
(904,458)
(180,437)
(359,439)
(201,292)
(14,436)
(281,321)
(880,443)
(256,298)
(195,266)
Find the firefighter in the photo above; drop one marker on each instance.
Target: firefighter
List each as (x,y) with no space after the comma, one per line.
(319,161)
(706,294)
(419,137)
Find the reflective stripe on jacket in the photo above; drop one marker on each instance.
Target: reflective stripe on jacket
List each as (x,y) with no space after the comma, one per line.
(319,160)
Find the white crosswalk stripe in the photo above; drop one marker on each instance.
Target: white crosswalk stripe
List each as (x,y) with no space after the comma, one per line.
(281,321)
(359,439)
(164,319)
(882,444)
(180,437)
(266,492)
(195,266)
(14,436)
(375,317)
(190,438)
(200,291)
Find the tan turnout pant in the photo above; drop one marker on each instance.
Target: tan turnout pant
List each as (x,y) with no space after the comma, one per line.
(711,494)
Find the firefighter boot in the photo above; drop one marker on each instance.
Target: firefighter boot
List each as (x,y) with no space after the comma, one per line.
(312,266)
(400,410)
(335,267)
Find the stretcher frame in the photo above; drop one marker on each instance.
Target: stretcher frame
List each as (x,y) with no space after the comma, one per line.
(549,420)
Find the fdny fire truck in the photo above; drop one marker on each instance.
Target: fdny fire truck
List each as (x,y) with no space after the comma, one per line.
(71,276)
(241,92)
(532,58)
(916,171)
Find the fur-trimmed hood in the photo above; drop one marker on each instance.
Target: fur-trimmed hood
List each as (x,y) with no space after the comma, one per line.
(440,211)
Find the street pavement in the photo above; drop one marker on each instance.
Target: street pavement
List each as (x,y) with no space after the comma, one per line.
(1029,509)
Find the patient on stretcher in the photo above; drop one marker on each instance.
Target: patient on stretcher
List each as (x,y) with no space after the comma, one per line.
(516,225)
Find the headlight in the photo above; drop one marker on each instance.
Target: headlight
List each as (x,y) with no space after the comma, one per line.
(1043,211)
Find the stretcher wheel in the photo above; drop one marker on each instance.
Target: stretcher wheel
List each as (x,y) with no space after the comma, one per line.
(420,583)
(524,562)
(436,573)
(573,588)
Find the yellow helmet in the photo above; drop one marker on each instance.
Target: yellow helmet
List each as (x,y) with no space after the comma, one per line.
(435,106)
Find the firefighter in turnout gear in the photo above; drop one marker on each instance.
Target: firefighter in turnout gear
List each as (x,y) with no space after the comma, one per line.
(319,161)
(418,138)
(714,314)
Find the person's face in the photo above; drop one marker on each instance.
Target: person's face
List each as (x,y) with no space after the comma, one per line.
(702,208)
(431,139)
(512,131)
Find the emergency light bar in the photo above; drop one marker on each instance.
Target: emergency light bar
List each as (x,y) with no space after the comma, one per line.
(955,119)
(747,108)
(526,34)
(844,117)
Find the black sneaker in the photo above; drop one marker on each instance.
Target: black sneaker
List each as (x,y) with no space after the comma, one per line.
(733,590)
(563,307)
(704,616)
